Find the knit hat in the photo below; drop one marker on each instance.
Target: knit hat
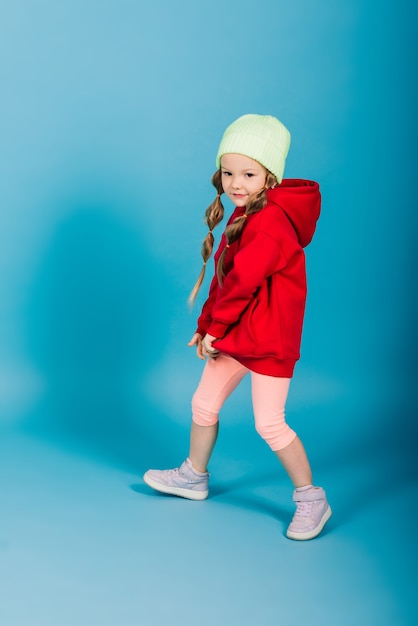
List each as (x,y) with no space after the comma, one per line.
(261,137)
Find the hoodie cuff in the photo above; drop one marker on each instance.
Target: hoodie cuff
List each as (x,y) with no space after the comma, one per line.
(217,329)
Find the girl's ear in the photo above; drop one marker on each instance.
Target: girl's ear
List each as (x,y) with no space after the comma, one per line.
(271,181)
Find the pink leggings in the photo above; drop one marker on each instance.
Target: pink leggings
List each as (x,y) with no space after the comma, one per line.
(219,379)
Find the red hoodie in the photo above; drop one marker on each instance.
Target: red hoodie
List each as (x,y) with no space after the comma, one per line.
(257,315)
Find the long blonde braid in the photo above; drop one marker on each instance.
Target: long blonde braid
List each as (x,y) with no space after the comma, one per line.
(214,214)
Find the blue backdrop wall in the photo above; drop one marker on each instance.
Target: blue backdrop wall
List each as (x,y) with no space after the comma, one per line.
(111,113)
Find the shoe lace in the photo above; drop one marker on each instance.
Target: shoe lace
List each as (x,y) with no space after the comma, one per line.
(304,509)
(173,472)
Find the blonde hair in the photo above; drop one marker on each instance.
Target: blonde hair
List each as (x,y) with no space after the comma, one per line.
(215,213)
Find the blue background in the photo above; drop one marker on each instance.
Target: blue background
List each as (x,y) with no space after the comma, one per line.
(110,117)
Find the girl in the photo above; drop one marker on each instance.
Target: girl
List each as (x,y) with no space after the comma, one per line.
(252,319)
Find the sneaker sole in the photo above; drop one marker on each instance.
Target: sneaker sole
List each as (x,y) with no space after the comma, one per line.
(312,533)
(175,491)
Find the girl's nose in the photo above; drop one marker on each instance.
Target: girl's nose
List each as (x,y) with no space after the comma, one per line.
(236,183)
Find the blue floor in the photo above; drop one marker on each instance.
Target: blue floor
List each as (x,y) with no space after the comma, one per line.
(83,541)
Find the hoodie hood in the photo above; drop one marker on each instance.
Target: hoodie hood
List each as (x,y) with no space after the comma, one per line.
(301,202)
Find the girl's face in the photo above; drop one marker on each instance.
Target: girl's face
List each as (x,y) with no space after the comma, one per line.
(242,177)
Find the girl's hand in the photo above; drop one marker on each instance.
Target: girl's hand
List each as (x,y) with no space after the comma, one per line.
(208,349)
(196,340)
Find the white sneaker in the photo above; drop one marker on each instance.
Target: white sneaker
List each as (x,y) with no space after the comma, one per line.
(184,481)
(312,513)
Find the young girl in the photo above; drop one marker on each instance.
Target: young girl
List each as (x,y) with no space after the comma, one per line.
(252,319)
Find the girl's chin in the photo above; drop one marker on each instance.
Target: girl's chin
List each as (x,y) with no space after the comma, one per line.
(238,201)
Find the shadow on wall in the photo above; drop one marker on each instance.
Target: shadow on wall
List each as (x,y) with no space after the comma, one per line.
(97,320)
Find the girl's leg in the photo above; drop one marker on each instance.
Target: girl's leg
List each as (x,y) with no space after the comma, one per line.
(190,480)
(219,379)
(312,508)
(269,401)
(295,461)
(202,442)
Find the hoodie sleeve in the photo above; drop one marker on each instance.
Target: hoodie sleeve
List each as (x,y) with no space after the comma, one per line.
(259,258)
(205,316)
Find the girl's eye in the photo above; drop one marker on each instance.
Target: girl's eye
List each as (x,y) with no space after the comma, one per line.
(249,175)
(226,173)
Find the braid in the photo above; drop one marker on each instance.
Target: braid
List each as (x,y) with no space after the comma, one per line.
(214,214)
(234,230)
